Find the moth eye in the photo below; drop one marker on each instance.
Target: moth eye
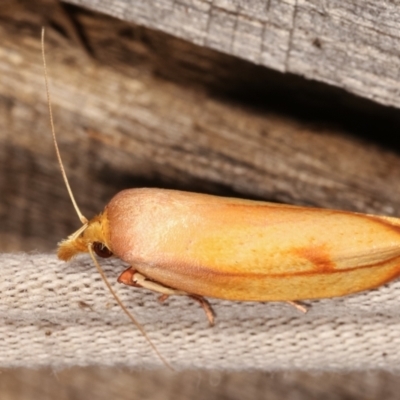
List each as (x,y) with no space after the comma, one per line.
(101,250)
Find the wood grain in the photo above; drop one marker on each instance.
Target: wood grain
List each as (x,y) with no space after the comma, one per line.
(148,109)
(352,44)
(106,383)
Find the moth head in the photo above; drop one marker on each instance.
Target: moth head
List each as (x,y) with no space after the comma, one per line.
(92,234)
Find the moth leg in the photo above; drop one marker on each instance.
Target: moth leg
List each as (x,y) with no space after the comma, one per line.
(163,297)
(140,280)
(131,277)
(206,306)
(210,314)
(302,308)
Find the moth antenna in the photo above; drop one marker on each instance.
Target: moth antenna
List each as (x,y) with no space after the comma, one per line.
(126,311)
(83,219)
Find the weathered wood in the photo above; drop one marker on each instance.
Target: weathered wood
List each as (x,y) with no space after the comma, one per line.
(124,384)
(152,110)
(352,44)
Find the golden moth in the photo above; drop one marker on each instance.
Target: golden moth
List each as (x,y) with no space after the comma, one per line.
(235,249)
(182,243)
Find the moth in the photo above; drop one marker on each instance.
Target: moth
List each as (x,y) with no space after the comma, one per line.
(183,243)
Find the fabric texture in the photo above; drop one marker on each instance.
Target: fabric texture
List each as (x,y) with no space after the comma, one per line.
(61,314)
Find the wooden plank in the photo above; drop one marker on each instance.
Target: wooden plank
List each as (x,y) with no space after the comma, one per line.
(152,110)
(351,44)
(122,383)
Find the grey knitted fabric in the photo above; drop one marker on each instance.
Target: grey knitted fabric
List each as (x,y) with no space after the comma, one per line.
(60,314)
